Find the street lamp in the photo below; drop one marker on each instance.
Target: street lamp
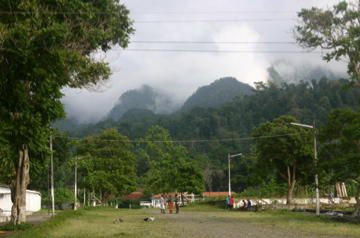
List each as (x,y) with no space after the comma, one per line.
(315,158)
(229,159)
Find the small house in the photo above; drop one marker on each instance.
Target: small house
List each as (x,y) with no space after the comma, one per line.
(33,202)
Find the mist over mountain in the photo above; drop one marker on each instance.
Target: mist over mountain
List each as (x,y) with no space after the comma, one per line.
(217,93)
(144,98)
(285,72)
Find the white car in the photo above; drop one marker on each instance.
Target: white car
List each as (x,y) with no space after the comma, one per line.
(145,204)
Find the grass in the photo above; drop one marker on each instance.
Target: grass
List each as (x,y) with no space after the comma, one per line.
(194,221)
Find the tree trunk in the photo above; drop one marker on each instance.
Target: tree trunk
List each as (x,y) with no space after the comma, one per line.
(291,184)
(357,205)
(18,187)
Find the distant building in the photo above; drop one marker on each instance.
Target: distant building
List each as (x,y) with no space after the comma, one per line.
(33,202)
(188,198)
(216,194)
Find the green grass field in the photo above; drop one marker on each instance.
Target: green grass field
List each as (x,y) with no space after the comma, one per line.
(198,221)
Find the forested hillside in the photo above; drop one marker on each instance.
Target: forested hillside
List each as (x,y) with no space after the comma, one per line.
(217,93)
(211,133)
(144,98)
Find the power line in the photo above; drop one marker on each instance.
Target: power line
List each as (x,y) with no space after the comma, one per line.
(216,20)
(223,51)
(216,12)
(213,42)
(187,140)
(267,19)
(148,50)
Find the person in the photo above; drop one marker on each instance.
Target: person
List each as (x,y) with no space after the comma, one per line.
(162,204)
(177,203)
(248,204)
(244,206)
(232,202)
(171,204)
(227,201)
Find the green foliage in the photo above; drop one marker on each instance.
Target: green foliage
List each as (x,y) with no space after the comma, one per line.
(340,154)
(169,166)
(287,153)
(336,30)
(107,164)
(268,189)
(305,101)
(217,93)
(44,47)
(63,197)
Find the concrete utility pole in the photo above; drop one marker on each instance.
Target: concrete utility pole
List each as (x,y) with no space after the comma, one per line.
(229,175)
(75,184)
(229,169)
(52,177)
(316,160)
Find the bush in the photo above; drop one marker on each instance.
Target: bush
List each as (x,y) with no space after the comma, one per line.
(135,204)
(12,227)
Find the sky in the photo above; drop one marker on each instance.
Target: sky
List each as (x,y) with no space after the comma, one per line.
(180,73)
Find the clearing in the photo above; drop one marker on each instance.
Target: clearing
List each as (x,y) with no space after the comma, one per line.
(200,221)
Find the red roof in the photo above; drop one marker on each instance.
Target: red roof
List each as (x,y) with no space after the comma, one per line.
(157,196)
(216,194)
(134,195)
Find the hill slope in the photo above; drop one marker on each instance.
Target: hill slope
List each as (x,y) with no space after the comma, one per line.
(144,98)
(217,93)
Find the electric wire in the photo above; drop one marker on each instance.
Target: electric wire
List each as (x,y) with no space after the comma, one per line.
(141,141)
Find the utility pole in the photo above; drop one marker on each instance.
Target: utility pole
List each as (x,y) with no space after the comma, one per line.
(229,175)
(84,197)
(229,169)
(315,161)
(75,185)
(52,176)
(316,174)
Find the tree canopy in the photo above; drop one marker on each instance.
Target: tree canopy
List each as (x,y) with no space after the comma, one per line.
(45,46)
(288,153)
(335,30)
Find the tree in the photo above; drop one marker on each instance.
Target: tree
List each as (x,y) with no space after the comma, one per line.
(170,167)
(107,164)
(336,30)
(45,46)
(287,152)
(340,155)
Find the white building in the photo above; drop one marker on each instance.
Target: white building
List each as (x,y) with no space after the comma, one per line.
(33,202)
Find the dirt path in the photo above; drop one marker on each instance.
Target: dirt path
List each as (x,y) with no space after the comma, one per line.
(208,225)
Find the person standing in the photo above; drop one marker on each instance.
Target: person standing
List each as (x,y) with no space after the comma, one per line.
(162,204)
(227,202)
(231,202)
(176,203)
(170,204)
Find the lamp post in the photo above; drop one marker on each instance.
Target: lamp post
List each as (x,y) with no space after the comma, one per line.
(316,159)
(229,172)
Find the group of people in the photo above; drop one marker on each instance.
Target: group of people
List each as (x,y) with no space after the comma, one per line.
(230,203)
(169,202)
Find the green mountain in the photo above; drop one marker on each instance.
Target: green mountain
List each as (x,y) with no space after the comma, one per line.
(217,93)
(144,98)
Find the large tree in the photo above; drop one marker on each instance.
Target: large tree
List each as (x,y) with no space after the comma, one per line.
(335,30)
(107,164)
(285,151)
(45,46)
(341,150)
(170,168)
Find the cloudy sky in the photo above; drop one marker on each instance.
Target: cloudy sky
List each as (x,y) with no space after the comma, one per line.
(181,73)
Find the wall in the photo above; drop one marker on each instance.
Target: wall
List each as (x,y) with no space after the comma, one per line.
(33,202)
